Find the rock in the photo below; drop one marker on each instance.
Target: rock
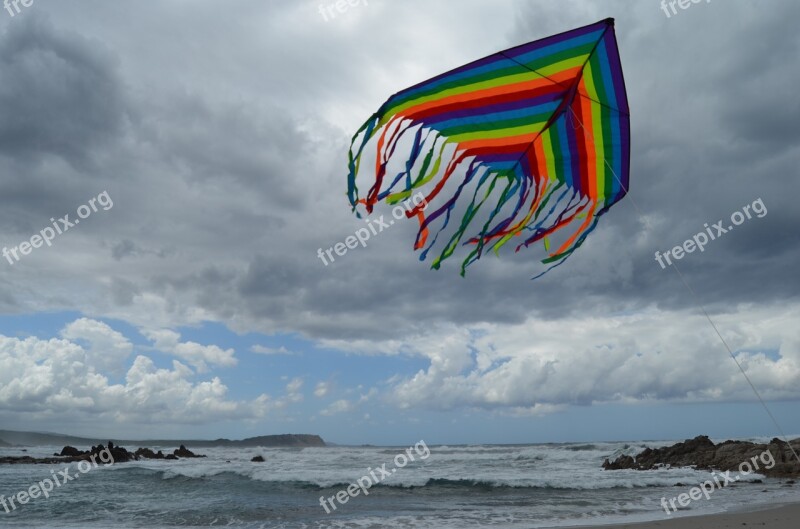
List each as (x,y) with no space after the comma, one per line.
(622,462)
(71,452)
(171,456)
(146,453)
(703,454)
(119,454)
(257,459)
(185,452)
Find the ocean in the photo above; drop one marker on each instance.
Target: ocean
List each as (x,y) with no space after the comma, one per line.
(458,487)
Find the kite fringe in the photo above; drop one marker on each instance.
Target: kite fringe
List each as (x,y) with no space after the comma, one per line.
(425,160)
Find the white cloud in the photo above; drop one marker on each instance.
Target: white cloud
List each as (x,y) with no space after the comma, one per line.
(322,389)
(340,406)
(60,378)
(195,354)
(108,349)
(346,406)
(261,349)
(293,390)
(541,366)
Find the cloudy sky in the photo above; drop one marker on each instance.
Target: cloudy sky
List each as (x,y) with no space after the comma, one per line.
(212,139)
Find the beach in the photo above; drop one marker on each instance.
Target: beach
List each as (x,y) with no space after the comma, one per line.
(783,517)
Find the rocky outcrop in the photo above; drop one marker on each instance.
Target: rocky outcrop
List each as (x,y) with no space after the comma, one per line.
(621,463)
(100,454)
(257,459)
(119,454)
(146,453)
(70,451)
(185,452)
(703,454)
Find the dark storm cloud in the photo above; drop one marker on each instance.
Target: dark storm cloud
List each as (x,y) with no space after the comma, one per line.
(59,92)
(683,175)
(228,167)
(61,104)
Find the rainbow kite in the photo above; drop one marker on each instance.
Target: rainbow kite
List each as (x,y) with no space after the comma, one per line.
(539,136)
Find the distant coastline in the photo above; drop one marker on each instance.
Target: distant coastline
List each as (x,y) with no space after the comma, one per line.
(10,438)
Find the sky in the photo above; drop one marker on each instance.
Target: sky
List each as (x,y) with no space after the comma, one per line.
(208,142)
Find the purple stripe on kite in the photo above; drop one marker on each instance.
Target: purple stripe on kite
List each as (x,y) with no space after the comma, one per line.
(616,71)
(498,158)
(575,159)
(625,135)
(530,46)
(555,39)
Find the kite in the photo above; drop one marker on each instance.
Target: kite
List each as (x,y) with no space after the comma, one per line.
(537,136)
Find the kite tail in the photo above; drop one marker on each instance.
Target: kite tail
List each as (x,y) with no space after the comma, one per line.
(535,204)
(354,158)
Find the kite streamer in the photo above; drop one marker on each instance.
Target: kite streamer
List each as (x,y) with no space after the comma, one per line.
(537,136)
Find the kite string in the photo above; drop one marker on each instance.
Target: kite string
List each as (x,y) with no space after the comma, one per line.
(705,313)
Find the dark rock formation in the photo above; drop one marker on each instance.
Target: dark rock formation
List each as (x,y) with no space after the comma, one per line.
(70,451)
(119,454)
(100,454)
(28,460)
(703,454)
(185,452)
(257,459)
(621,463)
(146,453)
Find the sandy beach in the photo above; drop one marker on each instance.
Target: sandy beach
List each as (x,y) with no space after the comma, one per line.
(783,517)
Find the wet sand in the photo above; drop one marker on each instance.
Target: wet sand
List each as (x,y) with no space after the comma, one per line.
(783,517)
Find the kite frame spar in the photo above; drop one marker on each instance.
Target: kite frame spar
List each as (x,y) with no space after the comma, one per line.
(512,116)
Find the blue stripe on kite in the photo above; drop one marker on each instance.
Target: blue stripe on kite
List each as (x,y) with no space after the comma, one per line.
(566,151)
(497,165)
(499,64)
(605,71)
(616,154)
(559,47)
(494,116)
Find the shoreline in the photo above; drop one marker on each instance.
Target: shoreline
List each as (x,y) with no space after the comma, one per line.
(783,515)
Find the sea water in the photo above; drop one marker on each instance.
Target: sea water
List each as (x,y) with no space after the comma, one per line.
(458,487)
